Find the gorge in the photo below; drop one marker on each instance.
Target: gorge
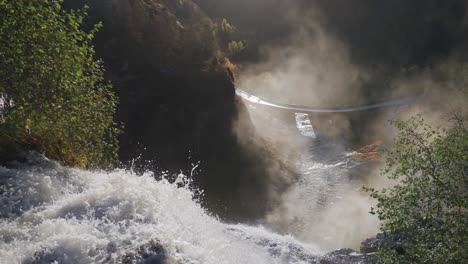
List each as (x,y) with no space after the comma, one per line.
(244,131)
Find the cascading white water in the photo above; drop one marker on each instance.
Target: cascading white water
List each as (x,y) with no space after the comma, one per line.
(326,205)
(53,213)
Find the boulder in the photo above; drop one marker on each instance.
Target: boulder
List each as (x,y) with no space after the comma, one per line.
(347,256)
(150,253)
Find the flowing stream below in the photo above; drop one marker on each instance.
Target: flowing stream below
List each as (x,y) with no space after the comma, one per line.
(54,214)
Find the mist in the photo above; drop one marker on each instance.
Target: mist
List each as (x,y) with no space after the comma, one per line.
(311,72)
(321,64)
(220,131)
(314,70)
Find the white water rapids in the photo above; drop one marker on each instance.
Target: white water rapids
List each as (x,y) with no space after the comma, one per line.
(77,216)
(54,214)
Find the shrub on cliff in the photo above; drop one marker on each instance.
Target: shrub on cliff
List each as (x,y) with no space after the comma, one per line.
(235,47)
(58,102)
(426,213)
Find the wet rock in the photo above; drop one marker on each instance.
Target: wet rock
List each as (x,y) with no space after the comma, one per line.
(60,254)
(394,240)
(150,253)
(372,244)
(295,252)
(368,153)
(347,256)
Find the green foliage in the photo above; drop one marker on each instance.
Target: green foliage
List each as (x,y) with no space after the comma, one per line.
(224,28)
(428,207)
(235,47)
(62,106)
(226,35)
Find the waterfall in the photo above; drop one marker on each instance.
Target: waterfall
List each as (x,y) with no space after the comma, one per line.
(54,213)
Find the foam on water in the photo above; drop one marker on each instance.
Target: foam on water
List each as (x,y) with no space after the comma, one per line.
(326,205)
(94,217)
(304,125)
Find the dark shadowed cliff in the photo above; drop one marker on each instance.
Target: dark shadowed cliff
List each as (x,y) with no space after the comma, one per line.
(178,104)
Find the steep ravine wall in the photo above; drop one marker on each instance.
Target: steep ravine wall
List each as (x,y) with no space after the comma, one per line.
(178,108)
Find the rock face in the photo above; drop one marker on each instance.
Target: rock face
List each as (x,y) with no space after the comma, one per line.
(178,105)
(385,240)
(347,256)
(154,253)
(368,153)
(150,253)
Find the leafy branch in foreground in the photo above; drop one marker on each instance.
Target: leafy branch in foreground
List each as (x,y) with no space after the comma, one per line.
(61,104)
(426,212)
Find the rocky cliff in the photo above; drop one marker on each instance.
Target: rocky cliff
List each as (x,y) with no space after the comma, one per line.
(177,103)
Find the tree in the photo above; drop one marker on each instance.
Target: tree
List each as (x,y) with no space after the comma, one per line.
(235,47)
(225,33)
(426,212)
(62,105)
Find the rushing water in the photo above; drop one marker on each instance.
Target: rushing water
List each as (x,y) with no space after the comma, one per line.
(326,205)
(50,212)
(54,214)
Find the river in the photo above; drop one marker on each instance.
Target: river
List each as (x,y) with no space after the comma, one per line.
(54,214)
